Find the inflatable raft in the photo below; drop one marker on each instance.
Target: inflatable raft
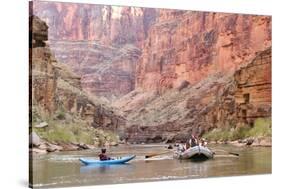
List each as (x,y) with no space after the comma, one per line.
(195,153)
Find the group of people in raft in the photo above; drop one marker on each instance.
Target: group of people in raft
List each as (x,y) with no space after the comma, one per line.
(193,141)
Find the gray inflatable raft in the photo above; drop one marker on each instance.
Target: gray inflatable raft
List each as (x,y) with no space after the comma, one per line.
(195,153)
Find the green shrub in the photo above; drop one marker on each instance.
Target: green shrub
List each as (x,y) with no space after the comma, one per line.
(261,128)
(64,127)
(76,132)
(60,115)
(85,137)
(60,135)
(214,135)
(240,133)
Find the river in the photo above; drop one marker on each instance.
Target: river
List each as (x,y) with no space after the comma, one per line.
(61,169)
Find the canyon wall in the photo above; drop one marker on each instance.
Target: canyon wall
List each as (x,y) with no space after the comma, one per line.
(190,46)
(56,90)
(220,101)
(53,85)
(106,24)
(254,88)
(43,77)
(199,71)
(172,72)
(100,43)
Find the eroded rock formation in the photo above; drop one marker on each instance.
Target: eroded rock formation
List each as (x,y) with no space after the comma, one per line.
(106,71)
(221,100)
(100,43)
(253,94)
(190,46)
(43,78)
(106,24)
(53,87)
(175,72)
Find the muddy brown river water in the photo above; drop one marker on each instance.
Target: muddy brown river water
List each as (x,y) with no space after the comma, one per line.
(63,169)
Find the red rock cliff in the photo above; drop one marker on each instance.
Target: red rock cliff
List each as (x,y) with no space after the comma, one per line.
(190,46)
(107,24)
(100,43)
(54,88)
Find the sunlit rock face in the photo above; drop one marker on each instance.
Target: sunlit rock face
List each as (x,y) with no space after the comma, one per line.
(100,43)
(173,72)
(190,46)
(43,78)
(53,87)
(106,24)
(195,73)
(219,101)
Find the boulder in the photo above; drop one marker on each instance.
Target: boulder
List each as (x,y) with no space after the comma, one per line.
(83,146)
(237,143)
(266,142)
(113,144)
(53,147)
(34,139)
(37,151)
(263,141)
(43,146)
(42,125)
(250,141)
(69,147)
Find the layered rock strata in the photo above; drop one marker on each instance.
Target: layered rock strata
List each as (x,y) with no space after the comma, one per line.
(220,101)
(100,43)
(191,46)
(53,87)
(175,72)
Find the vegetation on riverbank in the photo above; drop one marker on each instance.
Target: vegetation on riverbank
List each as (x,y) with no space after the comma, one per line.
(64,127)
(261,128)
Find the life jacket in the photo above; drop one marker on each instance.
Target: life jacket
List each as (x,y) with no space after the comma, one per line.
(193,142)
(103,157)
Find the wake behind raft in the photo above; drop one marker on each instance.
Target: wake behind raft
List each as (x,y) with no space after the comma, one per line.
(107,162)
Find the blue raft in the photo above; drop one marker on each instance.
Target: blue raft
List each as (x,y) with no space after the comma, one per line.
(107,162)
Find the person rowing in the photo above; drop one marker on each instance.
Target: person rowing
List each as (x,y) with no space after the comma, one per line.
(193,141)
(103,155)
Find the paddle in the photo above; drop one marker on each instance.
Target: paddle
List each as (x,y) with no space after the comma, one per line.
(156,154)
(226,156)
(232,153)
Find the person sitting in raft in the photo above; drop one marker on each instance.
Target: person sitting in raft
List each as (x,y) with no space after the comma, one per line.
(181,148)
(103,155)
(187,145)
(203,142)
(193,141)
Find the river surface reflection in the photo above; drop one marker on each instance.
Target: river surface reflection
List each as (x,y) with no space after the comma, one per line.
(64,169)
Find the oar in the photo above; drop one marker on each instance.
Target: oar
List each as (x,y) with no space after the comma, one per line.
(225,156)
(232,153)
(156,154)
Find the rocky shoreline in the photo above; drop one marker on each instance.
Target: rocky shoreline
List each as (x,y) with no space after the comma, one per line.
(41,146)
(255,142)
(44,147)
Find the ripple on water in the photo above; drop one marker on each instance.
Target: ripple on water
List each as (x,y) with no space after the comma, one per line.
(64,169)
